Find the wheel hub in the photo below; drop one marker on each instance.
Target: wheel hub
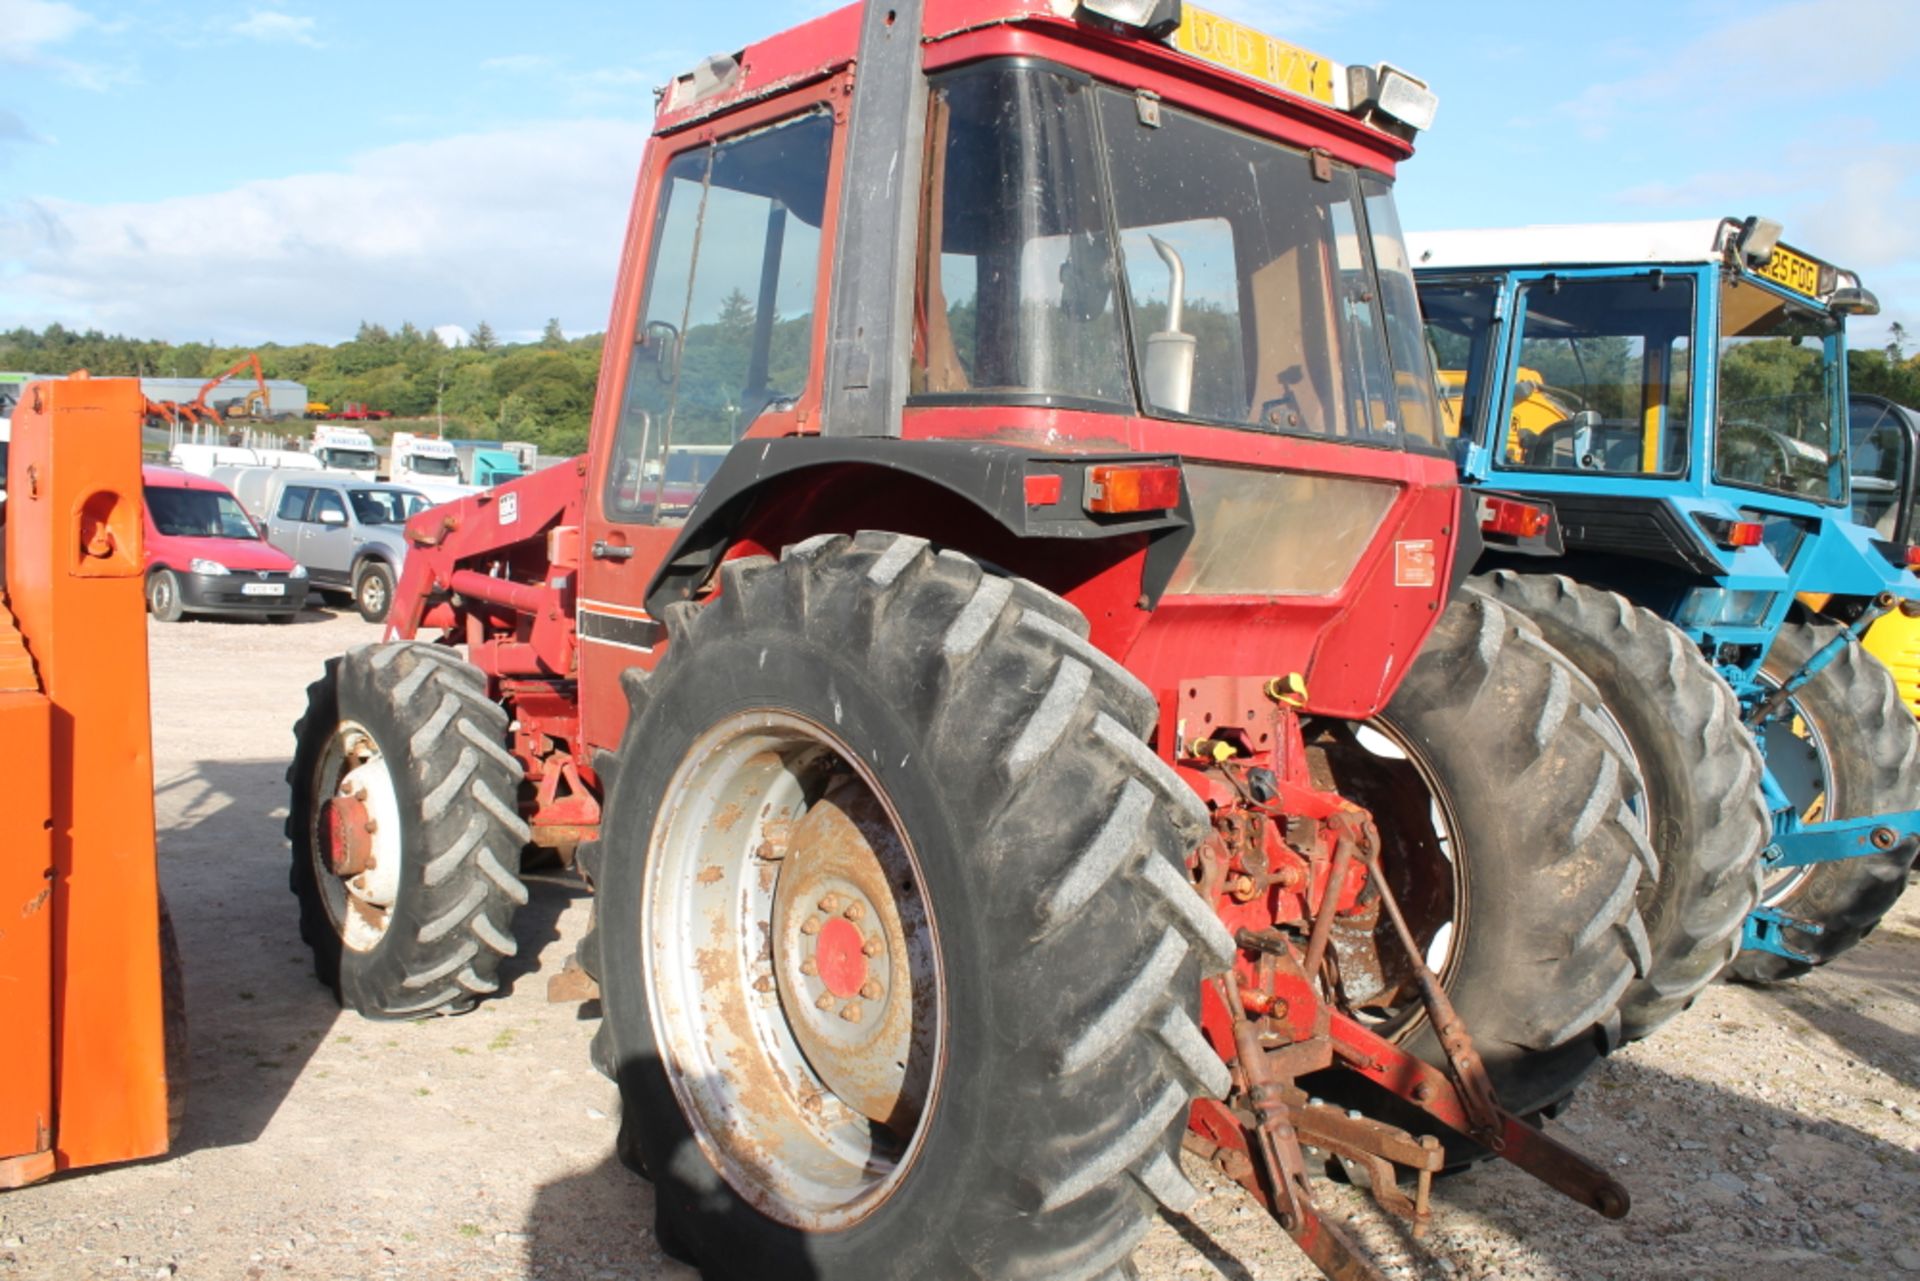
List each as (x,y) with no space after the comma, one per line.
(356,835)
(840,942)
(346,835)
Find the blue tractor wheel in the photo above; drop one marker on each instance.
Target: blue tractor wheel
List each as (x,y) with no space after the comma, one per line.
(1845,746)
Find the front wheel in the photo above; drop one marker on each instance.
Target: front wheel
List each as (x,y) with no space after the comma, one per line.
(1845,747)
(406,842)
(373,591)
(901,959)
(163,597)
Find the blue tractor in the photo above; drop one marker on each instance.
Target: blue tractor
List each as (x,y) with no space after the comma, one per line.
(1658,414)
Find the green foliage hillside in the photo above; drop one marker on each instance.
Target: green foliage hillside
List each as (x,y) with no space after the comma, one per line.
(540,392)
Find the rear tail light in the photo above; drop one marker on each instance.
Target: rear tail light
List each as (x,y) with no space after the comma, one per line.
(1043,490)
(1913,556)
(1112,490)
(1732,534)
(1513,519)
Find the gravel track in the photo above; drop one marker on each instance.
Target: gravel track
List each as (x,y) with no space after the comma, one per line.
(1765,1134)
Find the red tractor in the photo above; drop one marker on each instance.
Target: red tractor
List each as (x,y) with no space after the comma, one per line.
(1055,728)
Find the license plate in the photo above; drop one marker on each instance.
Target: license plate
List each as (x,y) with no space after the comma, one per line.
(1236,47)
(1792,271)
(263,589)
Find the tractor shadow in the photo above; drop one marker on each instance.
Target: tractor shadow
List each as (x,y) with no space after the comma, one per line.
(255,1013)
(1884,970)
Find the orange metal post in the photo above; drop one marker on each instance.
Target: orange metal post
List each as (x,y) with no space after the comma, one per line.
(26,918)
(74,584)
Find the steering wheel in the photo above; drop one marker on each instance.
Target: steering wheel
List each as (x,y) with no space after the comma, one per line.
(1762,440)
(1537,450)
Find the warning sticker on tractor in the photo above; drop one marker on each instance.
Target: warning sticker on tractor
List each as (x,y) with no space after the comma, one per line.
(509,508)
(1414,564)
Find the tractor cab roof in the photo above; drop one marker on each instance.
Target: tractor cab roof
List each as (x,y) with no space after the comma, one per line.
(1750,245)
(1387,104)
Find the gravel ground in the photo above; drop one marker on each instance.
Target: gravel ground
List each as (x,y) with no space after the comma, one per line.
(1765,1134)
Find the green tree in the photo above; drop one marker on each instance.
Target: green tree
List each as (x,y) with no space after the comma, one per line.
(552,336)
(482,338)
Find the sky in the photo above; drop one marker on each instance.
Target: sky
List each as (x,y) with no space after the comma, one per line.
(281,171)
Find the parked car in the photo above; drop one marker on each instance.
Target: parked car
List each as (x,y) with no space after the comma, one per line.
(204,555)
(348,533)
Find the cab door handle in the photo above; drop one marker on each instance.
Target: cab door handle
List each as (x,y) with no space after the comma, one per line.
(603,550)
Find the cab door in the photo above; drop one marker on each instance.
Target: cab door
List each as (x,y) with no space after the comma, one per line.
(721,341)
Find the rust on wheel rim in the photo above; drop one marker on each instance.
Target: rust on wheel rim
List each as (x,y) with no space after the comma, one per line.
(793,969)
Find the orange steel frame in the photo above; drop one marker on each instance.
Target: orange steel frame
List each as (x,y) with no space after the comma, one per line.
(82,1066)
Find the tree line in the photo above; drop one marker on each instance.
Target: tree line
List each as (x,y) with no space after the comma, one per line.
(489,390)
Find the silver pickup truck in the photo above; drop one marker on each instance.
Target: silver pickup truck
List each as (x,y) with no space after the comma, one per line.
(348,532)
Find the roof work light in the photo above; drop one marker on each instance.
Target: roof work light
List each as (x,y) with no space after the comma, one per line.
(1388,91)
(1156,18)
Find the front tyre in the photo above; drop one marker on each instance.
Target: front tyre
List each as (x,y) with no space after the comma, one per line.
(901,959)
(1845,748)
(406,842)
(163,597)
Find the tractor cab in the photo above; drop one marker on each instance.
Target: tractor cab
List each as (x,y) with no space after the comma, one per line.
(1676,392)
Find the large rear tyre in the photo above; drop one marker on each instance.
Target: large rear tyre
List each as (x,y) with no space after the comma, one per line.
(406,842)
(872,778)
(1846,748)
(1502,797)
(1704,810)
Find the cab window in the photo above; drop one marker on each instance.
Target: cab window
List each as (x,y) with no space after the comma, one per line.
(1601,379)
(325,501)
(293,503)
(725,326)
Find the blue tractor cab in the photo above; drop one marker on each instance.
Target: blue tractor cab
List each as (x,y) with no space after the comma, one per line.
(1666,405)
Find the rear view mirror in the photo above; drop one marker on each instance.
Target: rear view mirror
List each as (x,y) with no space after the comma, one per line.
(329,516)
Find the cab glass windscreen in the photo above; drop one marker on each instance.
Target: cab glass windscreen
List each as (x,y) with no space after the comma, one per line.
(1779,389)
(1600,382)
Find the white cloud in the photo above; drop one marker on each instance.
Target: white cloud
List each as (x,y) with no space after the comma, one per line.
(453,335)
(1745,64)
(29,29)
(515,226)
(271,26)
(518,63)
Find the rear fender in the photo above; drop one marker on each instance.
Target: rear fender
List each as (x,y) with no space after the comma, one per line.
(1023,510)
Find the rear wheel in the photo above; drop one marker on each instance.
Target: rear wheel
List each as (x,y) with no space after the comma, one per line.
(1845,747)
(901,960)
(373,591)
(1704,810)
(406,842)
(1502,799)
(163,596)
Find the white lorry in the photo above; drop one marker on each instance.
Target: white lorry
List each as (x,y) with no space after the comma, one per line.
(429,465)
(347,449)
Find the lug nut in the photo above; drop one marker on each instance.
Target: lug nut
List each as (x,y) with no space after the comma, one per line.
(871,947)
(373,825)
(809,967)
(856,910)
(870,989)
(831,903)
(764,983)
(851,1012)
(1423,1092)
(824,1001)
(810,926)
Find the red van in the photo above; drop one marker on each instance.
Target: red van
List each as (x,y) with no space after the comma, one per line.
(206,556)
